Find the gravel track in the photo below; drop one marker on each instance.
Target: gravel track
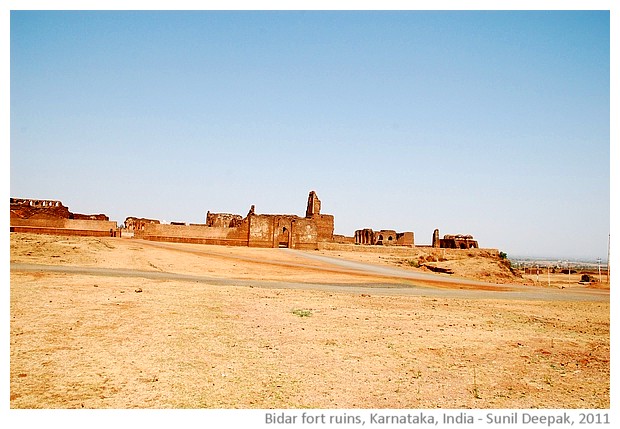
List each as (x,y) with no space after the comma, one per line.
(426,287)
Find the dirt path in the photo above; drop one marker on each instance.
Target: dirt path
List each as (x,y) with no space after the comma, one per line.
(433,287)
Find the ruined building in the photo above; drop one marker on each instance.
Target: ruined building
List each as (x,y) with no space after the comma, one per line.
(253,230)
(385,237)
(52,217)
(133,224)
(458,241)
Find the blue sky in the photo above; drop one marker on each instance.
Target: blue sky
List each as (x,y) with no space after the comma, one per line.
(490,123)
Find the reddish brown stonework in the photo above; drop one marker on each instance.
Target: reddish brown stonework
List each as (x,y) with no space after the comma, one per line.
(254,230)
(385,237)
(22,208)
(436,240)
(458,241)
(224,220)
(314,205)
(52,217)
(133,224)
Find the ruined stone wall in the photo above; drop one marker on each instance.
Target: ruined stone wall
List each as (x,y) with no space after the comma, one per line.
(458,242)
(65,227)
(282,231)
(364,236)
(137,223)
(223,220)
(314,205)
(79,216)
(385,237)
(262,231)
(436,240)
(454,241)
(254,231)
(324,227)
(305,234)
(22,208)
(404,239)
(36,203)
(200,234)
(343,239)
(25,208)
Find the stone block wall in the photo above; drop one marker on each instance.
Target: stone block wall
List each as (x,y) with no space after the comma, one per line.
(199,234)
(57,226)
(262,231)
(385,237)
(404,239)
(305,234)
(324,226)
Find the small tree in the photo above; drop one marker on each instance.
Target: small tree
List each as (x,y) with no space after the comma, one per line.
(503,255)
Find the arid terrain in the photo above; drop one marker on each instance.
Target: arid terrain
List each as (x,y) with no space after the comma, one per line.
(126,323)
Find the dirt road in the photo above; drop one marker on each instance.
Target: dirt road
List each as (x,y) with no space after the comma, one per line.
(421,284)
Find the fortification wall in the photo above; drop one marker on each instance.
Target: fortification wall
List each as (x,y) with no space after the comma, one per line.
(262,231)
(343,239)
(99,228)
(201,234)
(305,234)
(81,224)
(324,227)
(404,239)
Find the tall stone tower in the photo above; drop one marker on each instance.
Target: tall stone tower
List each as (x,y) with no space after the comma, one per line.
(436,242)
(314,205)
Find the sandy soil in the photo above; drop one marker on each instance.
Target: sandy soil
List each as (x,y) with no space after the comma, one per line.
(253,329)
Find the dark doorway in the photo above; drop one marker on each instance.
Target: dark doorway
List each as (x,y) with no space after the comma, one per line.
(283,237)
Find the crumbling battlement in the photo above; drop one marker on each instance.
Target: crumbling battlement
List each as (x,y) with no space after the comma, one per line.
(134,224)
(224,220)
(253,230)
(52,217)
(25,208)
(35,203)
(458,241)
(385,237)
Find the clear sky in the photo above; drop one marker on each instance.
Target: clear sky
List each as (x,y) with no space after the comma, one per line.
(490,123)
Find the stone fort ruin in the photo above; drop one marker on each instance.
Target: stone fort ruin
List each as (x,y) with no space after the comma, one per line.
(52,217)
(458,241)
(385,237)
(251,230)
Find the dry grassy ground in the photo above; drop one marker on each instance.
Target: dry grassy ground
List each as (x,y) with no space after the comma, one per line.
(112,340)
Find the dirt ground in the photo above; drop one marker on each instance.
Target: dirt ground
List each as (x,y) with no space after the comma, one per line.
(261,328)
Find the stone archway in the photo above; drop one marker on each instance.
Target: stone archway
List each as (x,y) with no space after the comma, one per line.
(284,237)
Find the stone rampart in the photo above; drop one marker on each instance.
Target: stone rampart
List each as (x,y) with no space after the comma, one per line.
(201,234)
(98,228)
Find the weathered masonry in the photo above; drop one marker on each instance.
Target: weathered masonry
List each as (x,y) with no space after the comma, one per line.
(458,241)
(133,224)
(52,217)
(253,230)
(385,237)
